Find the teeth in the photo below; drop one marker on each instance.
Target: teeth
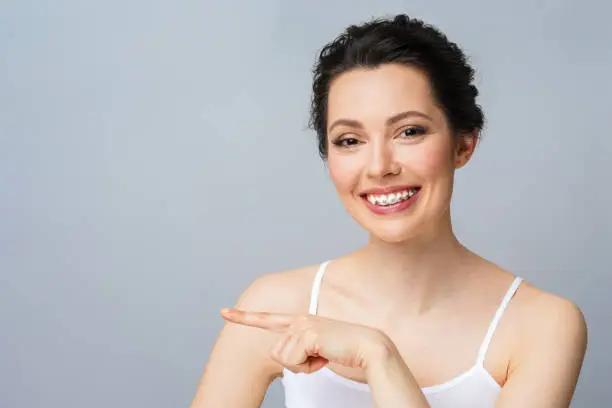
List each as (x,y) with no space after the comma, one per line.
(392,198)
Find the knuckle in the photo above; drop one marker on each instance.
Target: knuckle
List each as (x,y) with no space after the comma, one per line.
(274,355)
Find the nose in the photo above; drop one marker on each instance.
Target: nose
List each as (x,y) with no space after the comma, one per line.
(382,161)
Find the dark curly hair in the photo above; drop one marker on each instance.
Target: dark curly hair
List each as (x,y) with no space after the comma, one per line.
(401,40)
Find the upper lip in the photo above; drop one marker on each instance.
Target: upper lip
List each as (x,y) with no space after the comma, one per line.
(388,190)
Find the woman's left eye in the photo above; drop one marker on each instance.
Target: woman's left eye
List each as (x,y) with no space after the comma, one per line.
(412,131)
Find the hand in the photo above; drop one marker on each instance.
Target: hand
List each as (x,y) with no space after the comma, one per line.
(307,343)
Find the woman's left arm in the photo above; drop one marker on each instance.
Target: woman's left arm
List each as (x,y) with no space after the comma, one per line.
(545,373)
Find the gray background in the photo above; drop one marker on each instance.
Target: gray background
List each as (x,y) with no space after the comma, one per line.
(154,160)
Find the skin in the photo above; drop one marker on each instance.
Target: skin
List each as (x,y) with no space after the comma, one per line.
(412,276)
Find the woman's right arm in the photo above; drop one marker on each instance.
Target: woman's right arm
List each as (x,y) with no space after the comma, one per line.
(239,369)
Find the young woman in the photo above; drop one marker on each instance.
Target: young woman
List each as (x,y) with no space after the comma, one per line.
(414,318)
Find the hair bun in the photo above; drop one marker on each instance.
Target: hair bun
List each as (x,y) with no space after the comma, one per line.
(401,20)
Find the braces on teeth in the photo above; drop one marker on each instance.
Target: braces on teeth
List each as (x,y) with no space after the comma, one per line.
(390,199)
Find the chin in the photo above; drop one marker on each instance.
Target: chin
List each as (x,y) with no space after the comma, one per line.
(390,231)
(393,229)
(393,234)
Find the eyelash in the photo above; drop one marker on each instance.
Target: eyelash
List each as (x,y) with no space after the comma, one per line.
(418,129)
(341,142)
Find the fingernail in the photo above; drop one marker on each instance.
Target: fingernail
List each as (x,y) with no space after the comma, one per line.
(226,310)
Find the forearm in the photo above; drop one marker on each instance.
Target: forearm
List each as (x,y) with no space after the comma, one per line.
(392,384)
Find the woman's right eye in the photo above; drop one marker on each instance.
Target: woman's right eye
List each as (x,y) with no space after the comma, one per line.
(346,142)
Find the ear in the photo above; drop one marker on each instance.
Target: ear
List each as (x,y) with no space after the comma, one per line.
(464,148)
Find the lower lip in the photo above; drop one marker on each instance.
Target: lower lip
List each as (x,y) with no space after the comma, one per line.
(391,209)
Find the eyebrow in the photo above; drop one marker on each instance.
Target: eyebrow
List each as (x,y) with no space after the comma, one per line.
(389,122)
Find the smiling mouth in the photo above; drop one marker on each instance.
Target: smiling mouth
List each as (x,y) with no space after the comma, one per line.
(386,200)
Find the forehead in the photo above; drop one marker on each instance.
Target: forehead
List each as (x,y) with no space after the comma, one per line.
(375,94)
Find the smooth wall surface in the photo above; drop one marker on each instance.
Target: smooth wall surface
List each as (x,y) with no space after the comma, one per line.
(154,160)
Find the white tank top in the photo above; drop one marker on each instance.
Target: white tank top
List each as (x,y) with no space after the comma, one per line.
(475,388)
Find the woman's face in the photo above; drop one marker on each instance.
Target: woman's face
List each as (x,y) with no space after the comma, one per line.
(391,154)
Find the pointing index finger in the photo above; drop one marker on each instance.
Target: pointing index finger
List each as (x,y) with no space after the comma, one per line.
(262,320)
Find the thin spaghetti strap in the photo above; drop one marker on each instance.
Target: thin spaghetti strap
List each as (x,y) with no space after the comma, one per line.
(500,311)
(316,287)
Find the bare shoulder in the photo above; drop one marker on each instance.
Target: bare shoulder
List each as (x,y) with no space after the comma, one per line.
(283,292)
(548,316)
(537,315)
(549,325)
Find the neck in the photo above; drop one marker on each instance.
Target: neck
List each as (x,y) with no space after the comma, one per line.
(418,271)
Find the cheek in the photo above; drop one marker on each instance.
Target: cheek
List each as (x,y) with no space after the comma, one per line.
(429,160)
(343,172)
